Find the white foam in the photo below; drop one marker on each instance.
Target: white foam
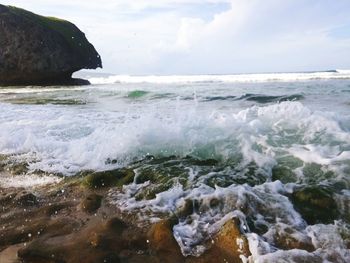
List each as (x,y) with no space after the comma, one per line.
(68,139)
(208,220)
(245,78)
(27,181)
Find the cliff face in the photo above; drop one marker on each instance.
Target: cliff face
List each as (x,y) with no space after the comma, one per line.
(37,50)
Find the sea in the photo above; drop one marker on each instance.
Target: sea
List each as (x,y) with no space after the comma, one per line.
(271,149)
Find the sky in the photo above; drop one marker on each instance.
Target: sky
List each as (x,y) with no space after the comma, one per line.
(162,37)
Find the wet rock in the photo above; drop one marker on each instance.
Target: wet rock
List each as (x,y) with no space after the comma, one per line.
(185,209)
(221,181)
(290,162)
(6,196)
(118,177)
(91,203)
(116,225)
(25,198)
(315,204)
(39,252)
(18,168)
(293,255)
(287,238)
(148,175)
(94,243)
(206,162)
(162,242)
(9,255)
(54,209)
(315,173)
(33,228)
(284,174)
(228,245)
(150,192)
(108,235)
(190,206)
(38,50)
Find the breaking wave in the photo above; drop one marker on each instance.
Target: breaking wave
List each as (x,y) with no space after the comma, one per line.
(243,78)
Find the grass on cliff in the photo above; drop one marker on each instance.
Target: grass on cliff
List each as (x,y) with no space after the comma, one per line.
(73,36)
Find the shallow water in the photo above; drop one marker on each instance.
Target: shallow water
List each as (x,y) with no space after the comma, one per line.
(233,146)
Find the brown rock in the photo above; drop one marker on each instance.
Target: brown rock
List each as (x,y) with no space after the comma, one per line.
(91,203)
(163,244)
(108,235)
(6,197)
(9,255)
(228,245)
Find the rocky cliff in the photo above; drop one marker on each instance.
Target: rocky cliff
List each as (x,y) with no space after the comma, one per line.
(38,50)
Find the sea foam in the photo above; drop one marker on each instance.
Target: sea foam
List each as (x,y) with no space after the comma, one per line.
(267,77)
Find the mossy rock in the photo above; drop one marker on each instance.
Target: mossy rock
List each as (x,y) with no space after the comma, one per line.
(316,204)
(148,174)
(118,177)
(315,173)
(160,174)
(200,162)
(284,174)
(290,162)
(150,192)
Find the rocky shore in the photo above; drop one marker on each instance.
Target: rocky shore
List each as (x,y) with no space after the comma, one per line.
(72,220)
(75,219)
(38,50)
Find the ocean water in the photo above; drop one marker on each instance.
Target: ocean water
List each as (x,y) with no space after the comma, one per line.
(232,145)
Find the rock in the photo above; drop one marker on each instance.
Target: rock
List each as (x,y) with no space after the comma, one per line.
(38,50)
(9,255)
(18,168)
(150,192)
(231,241)
(287,238)
(228,245)
(116,225)
(284,174)
(108,235)
(162,242)
(91,203)
(25,198)
(315,204)
(117,177)
(6,196)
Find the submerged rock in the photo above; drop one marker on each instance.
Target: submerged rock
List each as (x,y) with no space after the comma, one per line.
(316,204)
(38,50)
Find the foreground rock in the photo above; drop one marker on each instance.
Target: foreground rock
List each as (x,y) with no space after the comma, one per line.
(73,220)
(37,50)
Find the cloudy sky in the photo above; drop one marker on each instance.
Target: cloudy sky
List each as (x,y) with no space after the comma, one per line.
(209,36)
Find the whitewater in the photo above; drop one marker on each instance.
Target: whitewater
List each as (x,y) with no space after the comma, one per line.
(248,140)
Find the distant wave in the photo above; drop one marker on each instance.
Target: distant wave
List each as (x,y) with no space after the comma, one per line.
(245,78)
